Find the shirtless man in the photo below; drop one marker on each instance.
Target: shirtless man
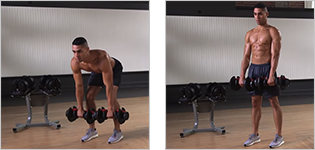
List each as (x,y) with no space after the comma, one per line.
(104,71)
(263,43)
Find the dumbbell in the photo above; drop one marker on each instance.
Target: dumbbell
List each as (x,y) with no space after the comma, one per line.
(121,115)
(248,85)
(90,116)
(189,92)
(101,115)
(216,92)
(50,85)
(22,86)
(281,81)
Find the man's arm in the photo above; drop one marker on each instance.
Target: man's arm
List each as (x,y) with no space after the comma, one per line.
(246,57)
(275,52)
(79,89)
(107,74)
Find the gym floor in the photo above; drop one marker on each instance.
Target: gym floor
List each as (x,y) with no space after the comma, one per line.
(135,130)
(235,115)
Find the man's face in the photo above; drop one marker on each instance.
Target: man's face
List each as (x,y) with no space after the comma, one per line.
(260,15)
(79,52)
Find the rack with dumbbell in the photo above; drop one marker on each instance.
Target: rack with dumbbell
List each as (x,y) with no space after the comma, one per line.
(24,87)
(191,94)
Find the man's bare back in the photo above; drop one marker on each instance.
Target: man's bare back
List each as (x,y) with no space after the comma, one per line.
(260,40)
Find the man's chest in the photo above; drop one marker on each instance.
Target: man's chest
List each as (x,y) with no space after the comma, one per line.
(90,67)
(261,37)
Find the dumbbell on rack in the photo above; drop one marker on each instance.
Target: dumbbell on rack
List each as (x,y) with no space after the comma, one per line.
(189,93)
(258,83)
(22,86)
(50,85)
(216,92)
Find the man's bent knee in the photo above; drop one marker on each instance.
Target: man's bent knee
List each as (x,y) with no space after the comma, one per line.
(90,97)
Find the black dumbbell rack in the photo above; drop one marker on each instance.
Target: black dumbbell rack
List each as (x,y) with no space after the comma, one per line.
(36,98)
(212,128)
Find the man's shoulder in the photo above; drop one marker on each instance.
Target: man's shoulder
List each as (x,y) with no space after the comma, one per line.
(97,51)
(274,31)
(75,65)
(250,31)
(272,28)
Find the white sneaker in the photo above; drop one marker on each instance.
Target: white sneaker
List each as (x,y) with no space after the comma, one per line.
(277,142)
(90,134)
(253,138)
(116,137)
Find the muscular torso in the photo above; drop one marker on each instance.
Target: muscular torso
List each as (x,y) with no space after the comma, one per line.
(94,66)
(260,42)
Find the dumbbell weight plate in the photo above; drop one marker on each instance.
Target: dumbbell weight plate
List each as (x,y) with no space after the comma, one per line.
(126,114)
(234,83)
(247,84)
(22,85)
(30,82)
(71,114)
(189,92)
(283,82)
(259,83)
(102,115)
(42,81)
(118,114)
(88,116)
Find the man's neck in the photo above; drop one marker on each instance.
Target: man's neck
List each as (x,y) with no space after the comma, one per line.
(262,25)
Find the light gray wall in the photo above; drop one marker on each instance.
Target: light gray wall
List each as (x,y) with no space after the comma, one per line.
(37,41)
(210,49)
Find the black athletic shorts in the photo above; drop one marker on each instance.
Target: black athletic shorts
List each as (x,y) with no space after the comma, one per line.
(96,79)
(263,70)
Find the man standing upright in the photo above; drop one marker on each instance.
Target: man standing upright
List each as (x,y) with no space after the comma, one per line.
(262,48)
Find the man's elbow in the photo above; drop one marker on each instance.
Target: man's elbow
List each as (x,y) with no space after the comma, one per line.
(276,56)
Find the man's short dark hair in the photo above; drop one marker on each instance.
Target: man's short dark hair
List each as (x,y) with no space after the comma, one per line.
(79,41)
(261,5)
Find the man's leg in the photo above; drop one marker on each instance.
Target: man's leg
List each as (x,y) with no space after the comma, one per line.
(277,113)
(256,112)
(256,115)
(92,92)
(117,135)
(277,116)
(117,106)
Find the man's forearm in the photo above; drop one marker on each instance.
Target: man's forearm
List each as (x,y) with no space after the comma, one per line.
(274,64)
(244,66)
(79,92)
(110,101)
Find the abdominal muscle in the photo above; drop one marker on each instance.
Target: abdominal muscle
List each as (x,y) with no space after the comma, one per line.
(261,53)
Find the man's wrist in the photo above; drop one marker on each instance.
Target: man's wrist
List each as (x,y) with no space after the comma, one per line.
(80,108)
